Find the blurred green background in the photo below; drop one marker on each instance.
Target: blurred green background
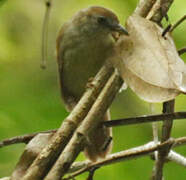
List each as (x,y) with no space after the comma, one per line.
(30,98)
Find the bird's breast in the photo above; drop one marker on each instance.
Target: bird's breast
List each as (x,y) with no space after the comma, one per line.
(82,60)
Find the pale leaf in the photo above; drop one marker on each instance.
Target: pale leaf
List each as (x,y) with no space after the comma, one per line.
(149,63)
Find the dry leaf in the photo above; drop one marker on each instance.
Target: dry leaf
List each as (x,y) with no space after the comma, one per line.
(149,63)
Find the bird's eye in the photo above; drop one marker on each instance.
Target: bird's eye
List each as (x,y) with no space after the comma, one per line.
(102,20)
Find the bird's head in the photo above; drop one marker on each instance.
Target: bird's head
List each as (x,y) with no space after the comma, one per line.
(100,19)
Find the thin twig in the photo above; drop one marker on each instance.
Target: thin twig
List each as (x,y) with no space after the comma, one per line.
(177,23)
(76,166)
(144,7)
(166,30)
(159,10)
(106,144)
(91,173)
(166,131)
(154,10)
(132,153)
(177,158)
(174,157)
(80,167)
(145,119)
(168,107)
(171,28)
(182,51)
(179,142)
(45,33)
(117,122)
(22,139)
(154,130)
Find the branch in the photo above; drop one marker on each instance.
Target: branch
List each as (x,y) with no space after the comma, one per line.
(159,10)
(31,151)
(145,119)
(81,167)
(171,28)
(88,125)
(50,153)
(78,167)
(22,139)
(117,122)
(166,131)
(177,23)
(91,173)
(132,153)
(144,7)
(182,51)
(177,142)
(177,158)
(168,107)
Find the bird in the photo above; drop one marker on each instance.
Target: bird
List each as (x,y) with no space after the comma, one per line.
(83,45)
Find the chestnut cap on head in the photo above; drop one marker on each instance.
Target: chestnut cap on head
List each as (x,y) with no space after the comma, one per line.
(99,19)
(106,18)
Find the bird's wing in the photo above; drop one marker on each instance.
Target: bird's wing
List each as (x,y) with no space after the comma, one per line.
(68,99)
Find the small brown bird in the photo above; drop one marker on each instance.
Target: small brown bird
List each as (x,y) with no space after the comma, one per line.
(83,45)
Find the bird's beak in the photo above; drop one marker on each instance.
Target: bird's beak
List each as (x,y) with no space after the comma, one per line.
(120,29)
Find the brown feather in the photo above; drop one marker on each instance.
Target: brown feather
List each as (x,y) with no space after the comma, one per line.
(69,100)
(102,12)
(76,65)
(95,150)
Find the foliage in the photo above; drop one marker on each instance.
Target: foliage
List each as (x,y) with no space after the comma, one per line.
(2,2)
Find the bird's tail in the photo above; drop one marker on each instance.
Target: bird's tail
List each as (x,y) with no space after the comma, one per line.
(100,141)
